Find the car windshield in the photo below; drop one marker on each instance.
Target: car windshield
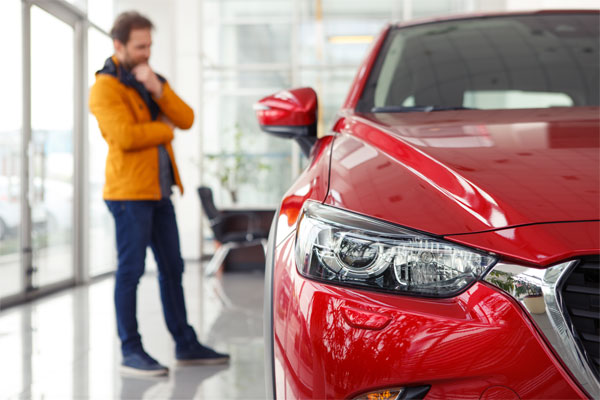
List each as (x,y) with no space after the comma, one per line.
(505,62)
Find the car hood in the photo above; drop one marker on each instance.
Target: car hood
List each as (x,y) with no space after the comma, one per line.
(501,168)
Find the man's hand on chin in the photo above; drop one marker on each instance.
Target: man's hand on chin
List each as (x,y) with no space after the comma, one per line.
(144,74)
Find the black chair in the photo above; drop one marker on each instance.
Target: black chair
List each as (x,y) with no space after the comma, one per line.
(232,228)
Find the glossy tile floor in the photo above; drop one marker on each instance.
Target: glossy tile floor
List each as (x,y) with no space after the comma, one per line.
(65,346)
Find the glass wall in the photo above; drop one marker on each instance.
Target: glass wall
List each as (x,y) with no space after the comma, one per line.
(51,152)
(248,51)
(102,253)
(41,150)
(10,147)
(252,49)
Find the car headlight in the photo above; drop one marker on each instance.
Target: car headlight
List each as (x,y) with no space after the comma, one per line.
(337,246)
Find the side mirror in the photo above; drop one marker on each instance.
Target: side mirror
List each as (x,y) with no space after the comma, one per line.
(290,114)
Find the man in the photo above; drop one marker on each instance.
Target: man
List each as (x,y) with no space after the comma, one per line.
(137,111)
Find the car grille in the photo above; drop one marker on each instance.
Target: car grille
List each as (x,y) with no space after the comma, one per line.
(581,295)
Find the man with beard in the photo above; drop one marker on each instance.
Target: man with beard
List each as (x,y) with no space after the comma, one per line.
(137,112)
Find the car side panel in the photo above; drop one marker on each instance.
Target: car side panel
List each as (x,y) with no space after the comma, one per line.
(312,184)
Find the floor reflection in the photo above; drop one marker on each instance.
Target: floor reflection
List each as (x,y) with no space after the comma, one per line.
(65,346)
(139,388)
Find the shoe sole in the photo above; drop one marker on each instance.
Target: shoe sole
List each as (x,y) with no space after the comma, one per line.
(208,361)
(142,372)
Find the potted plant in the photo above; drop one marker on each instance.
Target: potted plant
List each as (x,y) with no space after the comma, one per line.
(235,168)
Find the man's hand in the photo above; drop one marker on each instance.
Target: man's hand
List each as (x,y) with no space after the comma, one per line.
(166,120)
(144,74)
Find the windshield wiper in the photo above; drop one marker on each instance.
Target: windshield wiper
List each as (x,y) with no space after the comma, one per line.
(401,109)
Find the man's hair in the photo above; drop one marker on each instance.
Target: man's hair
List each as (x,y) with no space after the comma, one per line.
(126,22)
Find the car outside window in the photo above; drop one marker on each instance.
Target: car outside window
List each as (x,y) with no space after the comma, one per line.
(502,62)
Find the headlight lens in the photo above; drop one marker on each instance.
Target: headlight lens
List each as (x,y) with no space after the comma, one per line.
(341,247)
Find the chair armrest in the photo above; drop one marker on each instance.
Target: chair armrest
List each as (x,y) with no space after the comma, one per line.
(251,220)
(240,220)
(251,224)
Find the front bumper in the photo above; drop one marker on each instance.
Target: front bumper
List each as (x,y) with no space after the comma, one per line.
(334,342)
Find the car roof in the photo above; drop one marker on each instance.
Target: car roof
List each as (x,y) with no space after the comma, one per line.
(458,17)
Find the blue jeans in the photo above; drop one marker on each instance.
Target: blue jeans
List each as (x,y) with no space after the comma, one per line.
(140,224)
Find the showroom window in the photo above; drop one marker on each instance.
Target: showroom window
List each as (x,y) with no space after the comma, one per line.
(102,252)
(44,245)
(247,53)
(253,49)
(10,149)
(51,148)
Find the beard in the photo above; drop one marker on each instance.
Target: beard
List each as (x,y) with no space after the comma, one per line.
(129,63)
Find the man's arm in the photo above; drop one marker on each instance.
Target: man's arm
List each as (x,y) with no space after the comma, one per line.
(174,108)
(170,104)
(117,122)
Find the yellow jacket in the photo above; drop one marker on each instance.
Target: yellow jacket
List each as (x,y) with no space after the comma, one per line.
(132,135)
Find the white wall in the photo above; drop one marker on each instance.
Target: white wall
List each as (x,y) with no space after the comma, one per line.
(187,74)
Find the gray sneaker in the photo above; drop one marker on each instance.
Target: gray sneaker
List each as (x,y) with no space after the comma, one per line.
(196,354)
(141,364)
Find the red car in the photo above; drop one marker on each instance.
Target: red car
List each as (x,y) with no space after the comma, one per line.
(443,241)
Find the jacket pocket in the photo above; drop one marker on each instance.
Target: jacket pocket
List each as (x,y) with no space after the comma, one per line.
(116,207)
